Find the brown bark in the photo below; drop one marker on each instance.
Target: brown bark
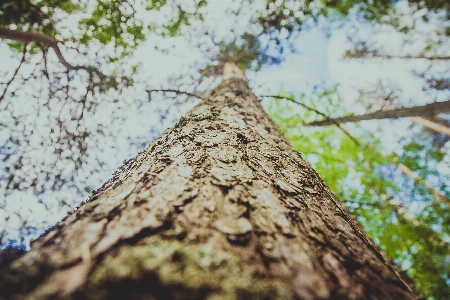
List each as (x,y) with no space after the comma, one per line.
(219,207)
(420,111)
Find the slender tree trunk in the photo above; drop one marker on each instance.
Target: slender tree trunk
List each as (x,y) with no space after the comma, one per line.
(409,173)
(430,124)
(428,110)
(219,207)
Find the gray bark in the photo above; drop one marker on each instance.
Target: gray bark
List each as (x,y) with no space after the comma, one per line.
(219,207)
(428,110)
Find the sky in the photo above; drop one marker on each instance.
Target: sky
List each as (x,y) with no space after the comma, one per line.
(317,61)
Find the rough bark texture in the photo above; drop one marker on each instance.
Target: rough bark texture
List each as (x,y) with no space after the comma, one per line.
(219,207)
(428,110)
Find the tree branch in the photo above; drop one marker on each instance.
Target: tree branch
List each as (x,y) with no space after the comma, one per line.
(24,52)
(317,112)
(38,38)
(431,125)
(409,173)
(387,56)
(419,111)
(178,92)
(49,42)
(296,102)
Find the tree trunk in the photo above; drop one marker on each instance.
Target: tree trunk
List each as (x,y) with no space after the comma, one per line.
(428,110)
(433,124)
(219,207)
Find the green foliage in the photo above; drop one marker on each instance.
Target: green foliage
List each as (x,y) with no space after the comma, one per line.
(401,215)
(375,10)
(16,46)
(156,4)
(292,15)
(285,15)
(246,53)
(110,22)
(113,21)
(173,25)
(35,15)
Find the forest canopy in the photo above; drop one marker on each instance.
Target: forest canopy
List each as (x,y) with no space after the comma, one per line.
(85,85)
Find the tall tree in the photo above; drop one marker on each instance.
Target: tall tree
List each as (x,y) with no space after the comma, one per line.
(116,23)
(220,206)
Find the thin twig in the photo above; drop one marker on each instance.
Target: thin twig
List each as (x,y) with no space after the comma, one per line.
(296,102)
(317,112)
(24,52)
(178,92)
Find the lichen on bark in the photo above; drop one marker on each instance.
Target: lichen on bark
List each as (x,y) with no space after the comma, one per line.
(219,207)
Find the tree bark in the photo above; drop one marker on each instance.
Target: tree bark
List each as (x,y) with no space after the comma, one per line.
(219,207)
(420,111)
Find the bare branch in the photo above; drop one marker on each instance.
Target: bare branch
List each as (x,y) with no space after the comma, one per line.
(375,54)
(316,111)
(420,111)
(38,38)
(296,102)
(407,171)
(431,125)
(364,50)
(49,42)
(178,92)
